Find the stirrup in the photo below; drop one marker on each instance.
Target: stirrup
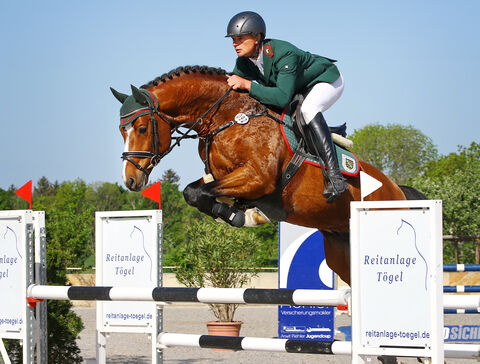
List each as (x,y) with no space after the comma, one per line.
(336,186)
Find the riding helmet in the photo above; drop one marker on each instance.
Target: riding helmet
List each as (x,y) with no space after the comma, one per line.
(246,22)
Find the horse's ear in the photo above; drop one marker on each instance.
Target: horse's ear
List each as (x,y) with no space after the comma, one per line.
(140,97)
(118,95)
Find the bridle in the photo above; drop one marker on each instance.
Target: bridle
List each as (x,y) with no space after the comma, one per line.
(152,108)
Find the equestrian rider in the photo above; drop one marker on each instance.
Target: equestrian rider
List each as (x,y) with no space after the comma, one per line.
(273,71)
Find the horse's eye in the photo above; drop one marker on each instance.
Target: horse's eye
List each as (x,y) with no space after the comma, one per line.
(142,130)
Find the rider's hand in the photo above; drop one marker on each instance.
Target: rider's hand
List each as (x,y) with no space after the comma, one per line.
(238,83)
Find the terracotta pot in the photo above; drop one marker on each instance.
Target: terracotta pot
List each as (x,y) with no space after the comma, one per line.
(224,329)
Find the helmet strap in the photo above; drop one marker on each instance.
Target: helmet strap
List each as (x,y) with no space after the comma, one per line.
(258,47)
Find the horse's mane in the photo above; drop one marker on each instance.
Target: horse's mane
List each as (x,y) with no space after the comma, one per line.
(185,70)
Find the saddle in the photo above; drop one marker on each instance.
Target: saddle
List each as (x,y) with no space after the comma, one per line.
(299,124)
(295,134)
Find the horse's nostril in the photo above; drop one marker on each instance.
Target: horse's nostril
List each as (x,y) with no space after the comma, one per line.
(131,183)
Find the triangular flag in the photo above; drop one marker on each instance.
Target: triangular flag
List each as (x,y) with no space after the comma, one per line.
(154,193)
(368,184)
(25,192)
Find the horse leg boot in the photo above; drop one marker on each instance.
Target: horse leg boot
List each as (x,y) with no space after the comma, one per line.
(323,146)
(229,214)
(199,195)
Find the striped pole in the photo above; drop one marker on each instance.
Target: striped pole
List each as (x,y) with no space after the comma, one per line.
(461,311)
(167,339)
(295,297)
(461,289)
(461,267)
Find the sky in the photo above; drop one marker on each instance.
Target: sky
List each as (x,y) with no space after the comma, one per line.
(405,62)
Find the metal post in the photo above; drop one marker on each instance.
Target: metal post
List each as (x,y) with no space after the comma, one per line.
(41,278)
(29,328)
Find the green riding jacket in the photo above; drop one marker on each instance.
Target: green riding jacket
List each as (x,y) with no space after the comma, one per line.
(287,71)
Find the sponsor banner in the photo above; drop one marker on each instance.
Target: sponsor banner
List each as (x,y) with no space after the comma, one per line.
(303,266)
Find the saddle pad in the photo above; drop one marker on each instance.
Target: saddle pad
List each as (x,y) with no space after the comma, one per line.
(347,161)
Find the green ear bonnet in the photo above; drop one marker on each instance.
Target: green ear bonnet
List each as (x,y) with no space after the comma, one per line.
(134,106)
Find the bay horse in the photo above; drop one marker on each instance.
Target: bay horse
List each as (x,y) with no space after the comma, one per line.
(241,144)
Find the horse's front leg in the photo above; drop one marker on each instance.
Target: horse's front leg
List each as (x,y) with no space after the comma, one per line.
(246,183)
(200,195)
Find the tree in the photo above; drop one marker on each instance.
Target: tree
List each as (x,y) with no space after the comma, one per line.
(45,188)
(454,180)
(106,196)
(71,224)
(171,177)
(5,200)
(398,151)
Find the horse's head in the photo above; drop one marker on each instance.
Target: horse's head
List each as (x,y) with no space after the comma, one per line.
(146,133)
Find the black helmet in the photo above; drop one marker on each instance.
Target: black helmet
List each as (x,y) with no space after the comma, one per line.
(246,22)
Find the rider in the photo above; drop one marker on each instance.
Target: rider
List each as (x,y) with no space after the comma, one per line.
(273,71)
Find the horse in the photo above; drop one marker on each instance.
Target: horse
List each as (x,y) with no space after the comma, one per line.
(241,145)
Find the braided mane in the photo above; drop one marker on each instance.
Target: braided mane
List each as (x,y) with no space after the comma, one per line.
(186,70)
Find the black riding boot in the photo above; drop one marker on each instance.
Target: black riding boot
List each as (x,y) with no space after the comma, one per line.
(323,147)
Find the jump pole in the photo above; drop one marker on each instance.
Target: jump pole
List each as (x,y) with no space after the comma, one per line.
(295,297)
(166,340)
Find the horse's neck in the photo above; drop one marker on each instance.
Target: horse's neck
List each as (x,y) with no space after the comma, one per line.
(189,100)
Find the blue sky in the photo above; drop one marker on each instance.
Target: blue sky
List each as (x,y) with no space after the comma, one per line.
(407,62)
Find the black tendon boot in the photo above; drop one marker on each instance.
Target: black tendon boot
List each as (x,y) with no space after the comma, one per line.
(323,147)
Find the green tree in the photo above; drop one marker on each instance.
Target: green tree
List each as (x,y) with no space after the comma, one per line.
(454,180)
(171,177)
(106,196)
(70,224)
(45,188)
(6,200)
(398,151)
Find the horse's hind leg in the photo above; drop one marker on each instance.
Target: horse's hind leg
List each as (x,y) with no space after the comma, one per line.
(337,253)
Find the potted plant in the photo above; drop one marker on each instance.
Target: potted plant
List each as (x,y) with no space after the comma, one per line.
(218,255)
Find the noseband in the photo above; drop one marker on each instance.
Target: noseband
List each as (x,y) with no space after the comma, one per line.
(154,155)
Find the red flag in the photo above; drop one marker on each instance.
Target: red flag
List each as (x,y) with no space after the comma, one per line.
(154,193)
(25,192)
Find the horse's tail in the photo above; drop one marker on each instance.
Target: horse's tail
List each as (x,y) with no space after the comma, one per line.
(412,194)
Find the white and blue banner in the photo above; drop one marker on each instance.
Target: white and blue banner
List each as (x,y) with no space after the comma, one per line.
(302,265)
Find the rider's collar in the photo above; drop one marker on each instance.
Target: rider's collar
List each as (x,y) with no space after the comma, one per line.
(131,109)
(259,59)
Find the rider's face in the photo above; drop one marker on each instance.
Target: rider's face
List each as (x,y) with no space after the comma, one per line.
(245,45)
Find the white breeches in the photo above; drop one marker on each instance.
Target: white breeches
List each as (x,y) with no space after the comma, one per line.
(321,97)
